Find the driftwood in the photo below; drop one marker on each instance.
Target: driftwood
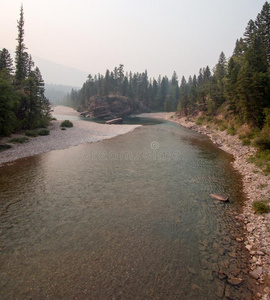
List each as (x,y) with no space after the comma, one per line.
(115,121)
(222,198)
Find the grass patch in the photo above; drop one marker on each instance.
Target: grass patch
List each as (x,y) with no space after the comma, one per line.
(44,132)
(262,160)
(251,134)
(261,207)
(200,120)
(223,127)
(246,142)
(4,147)
(263,141)
(262,186)
(66,123)
(31,133)
(20,140)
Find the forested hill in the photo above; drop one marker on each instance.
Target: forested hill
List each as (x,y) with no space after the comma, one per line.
(238,87)
(160,94)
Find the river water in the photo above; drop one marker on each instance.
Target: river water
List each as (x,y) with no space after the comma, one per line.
(125,218)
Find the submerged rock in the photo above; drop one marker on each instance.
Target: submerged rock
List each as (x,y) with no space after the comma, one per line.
(235,281)
(192,271)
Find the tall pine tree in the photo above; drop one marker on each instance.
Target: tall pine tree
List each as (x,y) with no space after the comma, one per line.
(20,56)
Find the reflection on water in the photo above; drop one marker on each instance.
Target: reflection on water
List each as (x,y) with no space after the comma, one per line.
(126,218)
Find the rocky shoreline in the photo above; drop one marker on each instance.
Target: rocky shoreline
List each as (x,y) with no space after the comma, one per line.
(255,187)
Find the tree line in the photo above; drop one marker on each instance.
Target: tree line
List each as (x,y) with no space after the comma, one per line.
(23,104)
(239,85)
(160,94)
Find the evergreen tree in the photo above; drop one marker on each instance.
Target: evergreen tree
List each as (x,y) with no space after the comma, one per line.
(183,103)
(8,105)
(6,61)
(239,47)
(263,25)
(20,58)
(249,34)
(218,81)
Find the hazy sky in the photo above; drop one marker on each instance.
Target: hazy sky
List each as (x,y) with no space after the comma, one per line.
(158,35)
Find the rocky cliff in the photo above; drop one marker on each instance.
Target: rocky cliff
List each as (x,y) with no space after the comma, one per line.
(109,107)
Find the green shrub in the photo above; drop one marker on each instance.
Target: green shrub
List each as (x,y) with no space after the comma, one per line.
(4,147)
(246,142)
(261,207)
(20,140)
(53,119)
(66,123)
(262,160)
(31,133)
(222,127)
(44,132)
(263,141)
(63,128)
(200,120)
(231,130)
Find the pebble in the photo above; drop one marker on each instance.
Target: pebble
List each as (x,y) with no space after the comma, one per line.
(254,274)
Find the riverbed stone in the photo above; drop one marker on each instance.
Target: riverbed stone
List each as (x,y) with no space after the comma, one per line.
(192,271)
(254,274)
(235,281)
(222,275)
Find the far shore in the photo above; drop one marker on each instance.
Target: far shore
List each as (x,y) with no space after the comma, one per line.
(82,132)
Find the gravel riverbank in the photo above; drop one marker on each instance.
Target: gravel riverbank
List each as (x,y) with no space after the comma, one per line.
(82,132)
(255,186)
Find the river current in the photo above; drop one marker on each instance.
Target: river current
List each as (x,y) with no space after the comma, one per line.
(125,218)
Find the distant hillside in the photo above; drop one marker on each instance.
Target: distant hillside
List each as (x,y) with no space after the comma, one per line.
(57,93)
(59,74)
(56,73)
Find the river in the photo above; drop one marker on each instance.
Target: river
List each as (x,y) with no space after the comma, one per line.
(125,218)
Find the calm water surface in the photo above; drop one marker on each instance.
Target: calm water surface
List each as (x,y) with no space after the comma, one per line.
(126,218)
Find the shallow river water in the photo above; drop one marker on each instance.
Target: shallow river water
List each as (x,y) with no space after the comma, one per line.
(125,218)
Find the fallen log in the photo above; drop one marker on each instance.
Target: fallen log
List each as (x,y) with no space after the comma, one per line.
(115,121)
(222,198)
